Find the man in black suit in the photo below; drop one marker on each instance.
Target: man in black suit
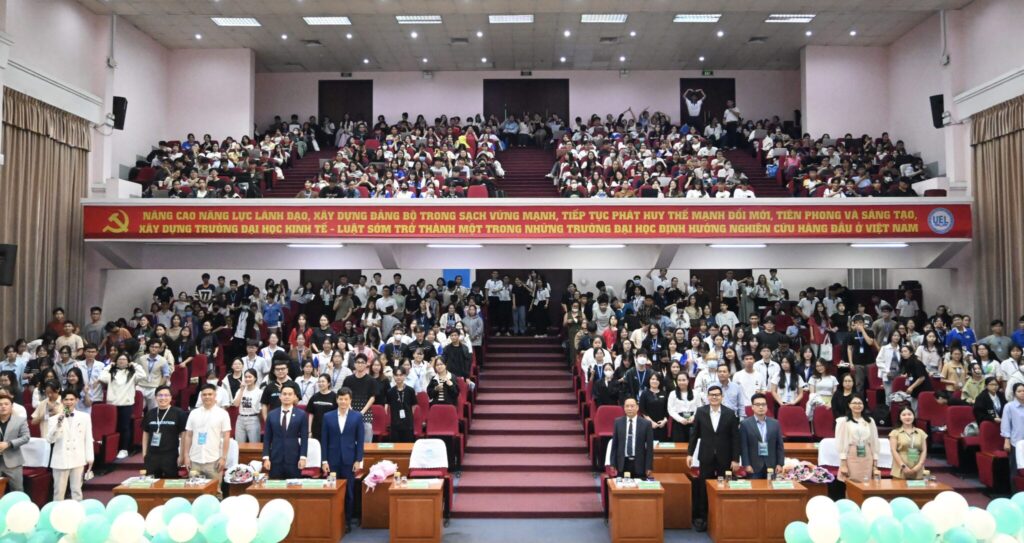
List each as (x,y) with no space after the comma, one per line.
(761,440)
(716,429)
(632,443)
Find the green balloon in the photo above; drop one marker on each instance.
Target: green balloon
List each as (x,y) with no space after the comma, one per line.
(1007,514)
(198,538)
(14,538)
(205,506)
(44,518)
(887,530)
(162,537)
(796,532)
(44,536)
(93,507)
(175,507)
(273,529)
(1018,500)
(94,529)
(847,506)
(853,527)
(12,498)
(901,507)
(918,529)
(121,504)
(958,535)
(215,528)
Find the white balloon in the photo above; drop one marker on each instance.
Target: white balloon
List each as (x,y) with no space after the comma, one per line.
(66,516)
(939,515)
(1004,538)
(128,527)
(279,506)
(155,520)
(823,530)
(68,539)
(241,529)
(980,523)
(228,506)
(22,517)
(822,507)
(875,507)
(183,527)
(247,505)
(954,505)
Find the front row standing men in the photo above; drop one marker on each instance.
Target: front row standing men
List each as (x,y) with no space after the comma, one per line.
(343,436)
(286,436)
(632,443)
(207,437)
(71,437)
(13,434)
(162,428)
(716,429)
(761,444)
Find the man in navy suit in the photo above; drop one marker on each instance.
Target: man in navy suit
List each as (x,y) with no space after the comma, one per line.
(286,437)
(761,444)
(342,438)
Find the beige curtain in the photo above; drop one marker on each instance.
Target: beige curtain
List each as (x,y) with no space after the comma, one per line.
(43,178)
(997,138)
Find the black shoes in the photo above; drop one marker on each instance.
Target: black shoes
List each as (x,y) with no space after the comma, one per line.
(700,525)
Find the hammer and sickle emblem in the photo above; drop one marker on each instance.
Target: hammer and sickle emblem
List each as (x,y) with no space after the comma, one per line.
(117,222)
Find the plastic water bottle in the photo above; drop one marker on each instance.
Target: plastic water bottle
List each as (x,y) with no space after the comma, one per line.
(332,479)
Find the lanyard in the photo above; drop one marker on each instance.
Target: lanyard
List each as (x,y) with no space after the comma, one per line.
(160,420)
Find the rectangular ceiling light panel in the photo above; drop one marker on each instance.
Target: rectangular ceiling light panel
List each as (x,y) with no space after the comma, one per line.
(327,21)
(603,18)
(235,21)
(697,18)
(418,19)
(510,19)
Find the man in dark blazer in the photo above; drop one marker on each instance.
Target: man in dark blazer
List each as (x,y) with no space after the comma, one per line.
(286,437)
(716,428)
(761,440)
(342,439)
(632,443)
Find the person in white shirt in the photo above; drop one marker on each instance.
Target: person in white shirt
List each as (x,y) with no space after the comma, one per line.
(252,361)
(731,117)
(766,368)
(594,358)
(748,379)
(705,378)
(744,190)
(907,307)
(661,280)
(207,436)
(775,286)
(307,383)
(385,301)
(223,393)
(694,99)
(247,401)
(71,436)
(728,291)
(724,317)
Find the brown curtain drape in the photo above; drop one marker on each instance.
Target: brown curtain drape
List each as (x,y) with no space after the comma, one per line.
(45,171)
(997,138)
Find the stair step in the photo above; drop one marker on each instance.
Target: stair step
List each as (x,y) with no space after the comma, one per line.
(528,412)
(529,356)
(488,427)
(526,444)
(527,481)
(534,398)
(527,462)
(526,385)
(512,373)
(528,505)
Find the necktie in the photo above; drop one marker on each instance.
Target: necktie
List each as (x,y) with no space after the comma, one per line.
(284,417)
(629,439)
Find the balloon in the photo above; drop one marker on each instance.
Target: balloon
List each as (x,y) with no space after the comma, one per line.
(44,518)
(959,535)
(215,527)
(12,498)
(121,504)
(183,527)
(1007,515)
(796,532)
(980,523)
(205,506)
(954,505)
(1018,500)
(248,506)
(155,520)
(44,536)
(162,537)
(940,517)
(887,529)
(94,529)
(823,530)
(918,528)
(68,538)
(174,507)
(279,506)
(847,506)
(198,538)
(853,527)
(128,527)
(901,507)
(822,507)
(22,517)
(875,507)
(243,530)
(229,506)
(93,507)
(66,516)
(273,528)
(11,537)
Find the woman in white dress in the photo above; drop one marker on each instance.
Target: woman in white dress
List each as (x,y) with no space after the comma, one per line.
(822,387)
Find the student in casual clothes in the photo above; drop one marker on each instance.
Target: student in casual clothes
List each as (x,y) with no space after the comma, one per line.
(323,401)
(271,397)
(400,401)
(121,378)
(162,428)
(247,401)
(207,436)
(362,388)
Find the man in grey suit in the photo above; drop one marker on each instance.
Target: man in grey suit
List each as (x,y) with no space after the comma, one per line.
(761,444)
(13,434)
(632,443)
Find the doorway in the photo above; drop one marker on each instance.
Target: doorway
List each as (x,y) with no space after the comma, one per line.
(558,280)
(716,92)
(711,279)
(504,97)
(355,98)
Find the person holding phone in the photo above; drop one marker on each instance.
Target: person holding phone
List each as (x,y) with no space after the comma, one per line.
(71,436)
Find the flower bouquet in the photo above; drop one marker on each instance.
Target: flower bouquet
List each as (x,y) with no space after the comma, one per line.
(805,472)
(240,474)
(378,473)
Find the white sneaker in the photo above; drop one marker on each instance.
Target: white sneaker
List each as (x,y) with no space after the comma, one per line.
(122,454)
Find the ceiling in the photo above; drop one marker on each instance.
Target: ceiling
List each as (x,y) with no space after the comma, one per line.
(659,43)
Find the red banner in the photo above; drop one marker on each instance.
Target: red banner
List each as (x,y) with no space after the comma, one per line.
(570,222)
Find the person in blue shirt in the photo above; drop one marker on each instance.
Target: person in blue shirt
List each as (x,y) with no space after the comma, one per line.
(1018,334)
(732,393)
(1012,427)
(961,332)
(273,315)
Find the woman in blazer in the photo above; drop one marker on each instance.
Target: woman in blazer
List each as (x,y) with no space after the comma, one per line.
(989,404)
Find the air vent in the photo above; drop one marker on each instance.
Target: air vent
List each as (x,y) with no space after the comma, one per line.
(296,66)
(345,74)
(312,43)
(609,39)
(460,41)
(757,39)
(525,73)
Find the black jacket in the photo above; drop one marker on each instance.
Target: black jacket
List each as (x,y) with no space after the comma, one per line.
(643,446)
(717,447)
(984,409)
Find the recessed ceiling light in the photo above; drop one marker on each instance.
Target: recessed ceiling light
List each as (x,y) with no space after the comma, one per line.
(738,245)
(366,61)
(424,60)
(598,246)
(234,21)
(632,33)
(853,32)
(199,36)
(413,34)
(561,59)
(479,34)
(808,33)
(418,19)
(700,58)
(790,18)
(567,33)
(510,19)
(483,59)
(315,245)
(697,18)
(454,245)
(327,21)
(879,245)
(603,18)
(622,59)
(348,36)
(720,33)
(284,36)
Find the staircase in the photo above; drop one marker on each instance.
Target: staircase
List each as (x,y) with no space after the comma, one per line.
(524,173)
(526,456)
(295,177)
(763,186)
(102,486)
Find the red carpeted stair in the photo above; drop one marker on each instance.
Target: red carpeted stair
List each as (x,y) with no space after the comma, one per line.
(526,457)
(763,186)
(101,487)
(524,173)
(295,177)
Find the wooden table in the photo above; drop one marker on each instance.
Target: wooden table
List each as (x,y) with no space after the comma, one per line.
(416,513)
(395,452)
(376,507)
(319,511)
(3,485)
(158,493)
(247,452)
(858,491)
(804,452)
(671,457)
(636,515)
(753,515)
(678,500)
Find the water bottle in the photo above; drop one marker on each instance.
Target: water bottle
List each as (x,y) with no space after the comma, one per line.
(332,479)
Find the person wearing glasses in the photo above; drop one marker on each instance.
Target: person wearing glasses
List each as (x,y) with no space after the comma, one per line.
(761,445)
(716,427)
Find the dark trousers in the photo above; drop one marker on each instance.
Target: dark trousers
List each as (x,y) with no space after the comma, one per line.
(731,134)
(629,466)
(345,472)
(1013,466)
(402,434)
(162,465)
(505,310)
(700,491)
(124,426)
(493,312)
(284,470)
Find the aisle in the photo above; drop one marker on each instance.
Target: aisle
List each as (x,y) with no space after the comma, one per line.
(526,456)
(524,173)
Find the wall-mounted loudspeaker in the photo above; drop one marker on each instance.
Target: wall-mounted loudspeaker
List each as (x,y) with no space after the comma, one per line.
(938,106)
(120,110)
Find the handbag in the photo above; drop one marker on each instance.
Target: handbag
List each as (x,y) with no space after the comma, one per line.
(825,350)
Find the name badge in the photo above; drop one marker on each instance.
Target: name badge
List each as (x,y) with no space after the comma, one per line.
(202,438)
(862,451)
(762,448)
(154,439)
(861,349)
(401,413)
(913,455)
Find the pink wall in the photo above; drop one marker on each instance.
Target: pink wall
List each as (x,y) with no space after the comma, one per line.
(915,73)
(988,41)
(844,89)
(211,91)
(142,78)
(759,93)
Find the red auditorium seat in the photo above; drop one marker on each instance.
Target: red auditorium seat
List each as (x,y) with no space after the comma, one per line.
(875,389)
(477,191)
(419,420)
(443,422)
(933,414)
(380,422)
(935,192)
(794,423)
(104,432)
(824,422)
(959,447)
(993,461)
(138,413)
(604,427)
(464,406)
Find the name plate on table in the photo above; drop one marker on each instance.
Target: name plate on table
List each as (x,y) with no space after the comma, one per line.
(174,483)
(275,484)
(917,484)
(648,485)
(312,483)
(140,484)
(385,445)
(783,485)
(418,484)
(740,485)
(666,445)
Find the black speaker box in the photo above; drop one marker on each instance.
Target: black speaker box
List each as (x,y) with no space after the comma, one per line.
(7,259)
(120,110)
(938,106)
